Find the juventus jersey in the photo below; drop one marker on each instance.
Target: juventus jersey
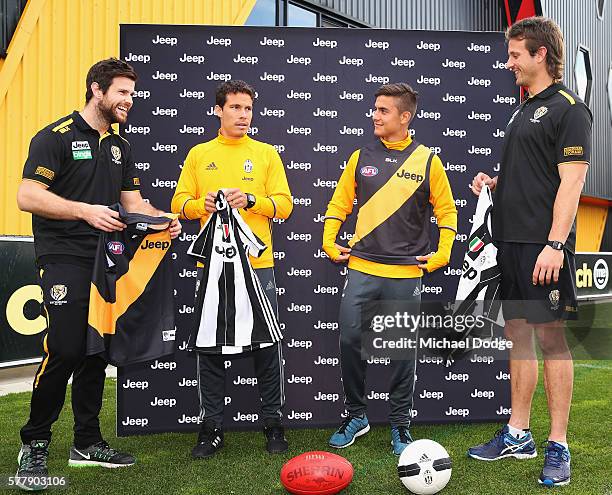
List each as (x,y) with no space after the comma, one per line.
(131,302)
(232,312)
(478,290)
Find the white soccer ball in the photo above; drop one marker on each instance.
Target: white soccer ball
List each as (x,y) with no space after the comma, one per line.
(424,467)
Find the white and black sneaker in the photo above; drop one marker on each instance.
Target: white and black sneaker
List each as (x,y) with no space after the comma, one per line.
(210,440)
(99,454)
(32,460)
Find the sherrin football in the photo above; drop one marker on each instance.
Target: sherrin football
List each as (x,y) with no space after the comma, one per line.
(316,473)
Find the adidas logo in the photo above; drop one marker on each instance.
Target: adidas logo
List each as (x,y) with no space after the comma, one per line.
(424,458)
(417,292)
(211,166)
(270,286)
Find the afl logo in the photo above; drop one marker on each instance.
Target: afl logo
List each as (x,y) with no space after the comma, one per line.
(369,171)
(115,247)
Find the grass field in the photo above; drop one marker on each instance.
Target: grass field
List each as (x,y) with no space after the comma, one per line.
(242,467)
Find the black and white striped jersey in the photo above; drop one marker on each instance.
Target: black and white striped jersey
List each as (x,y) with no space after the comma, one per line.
(232,312)
(478,293)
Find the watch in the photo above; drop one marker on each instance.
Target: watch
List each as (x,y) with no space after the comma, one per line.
(557,245)
(250,201)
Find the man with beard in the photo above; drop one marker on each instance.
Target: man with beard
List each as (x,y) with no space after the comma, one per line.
(76,167)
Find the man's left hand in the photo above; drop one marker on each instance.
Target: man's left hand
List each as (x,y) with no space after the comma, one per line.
(236,198)
(175,228)
(547,267)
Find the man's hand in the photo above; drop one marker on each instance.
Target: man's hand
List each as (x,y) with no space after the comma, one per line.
(236,198)
(547,266)
(337,253)
(344,255)
(175,228)
(482,179)
(423,266)
(209,202)
(101,217)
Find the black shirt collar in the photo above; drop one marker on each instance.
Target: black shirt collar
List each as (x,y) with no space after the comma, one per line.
(82,125)
(551,90)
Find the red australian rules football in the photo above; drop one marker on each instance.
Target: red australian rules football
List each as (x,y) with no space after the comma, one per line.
(316,473)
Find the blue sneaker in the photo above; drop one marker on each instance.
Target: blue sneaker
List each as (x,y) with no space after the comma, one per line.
(400,438)
(351,428)
(504,445)
(556,470)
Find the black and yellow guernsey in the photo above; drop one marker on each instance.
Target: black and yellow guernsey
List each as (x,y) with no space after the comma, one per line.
(395,184)
(131,299)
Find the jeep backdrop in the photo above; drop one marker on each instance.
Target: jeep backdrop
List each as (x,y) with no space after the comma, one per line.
(314,100)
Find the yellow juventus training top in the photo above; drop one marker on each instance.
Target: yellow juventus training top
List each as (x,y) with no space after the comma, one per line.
(253,167)
(394,184)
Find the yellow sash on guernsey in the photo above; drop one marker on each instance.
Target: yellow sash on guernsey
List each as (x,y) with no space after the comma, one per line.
(103,315)
(390,197)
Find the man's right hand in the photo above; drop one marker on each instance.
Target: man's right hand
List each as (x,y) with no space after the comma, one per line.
(209,202)
(101,217)
(338,253)
(482,179)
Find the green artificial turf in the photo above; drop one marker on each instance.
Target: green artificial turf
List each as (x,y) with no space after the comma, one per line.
(243,467)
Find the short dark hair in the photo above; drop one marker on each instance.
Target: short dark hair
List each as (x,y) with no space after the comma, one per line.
(232,87)
(103,73)
(541,31)
(406,96)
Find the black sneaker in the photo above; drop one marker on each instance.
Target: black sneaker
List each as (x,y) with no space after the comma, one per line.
(210,440)
(99,454)
(32,460)
(276,443)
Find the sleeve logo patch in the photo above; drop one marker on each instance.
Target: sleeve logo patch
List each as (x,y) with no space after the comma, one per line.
(573,151)
(136,181)
(45,172)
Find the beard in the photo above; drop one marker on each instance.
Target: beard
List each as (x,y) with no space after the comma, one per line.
(110,115)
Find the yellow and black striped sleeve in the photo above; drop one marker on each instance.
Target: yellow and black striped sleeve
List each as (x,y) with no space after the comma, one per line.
(340,206)
(278,202)
(445,211)
(186,200)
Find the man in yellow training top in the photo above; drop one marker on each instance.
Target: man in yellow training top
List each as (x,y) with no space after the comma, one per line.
(394,179)
(253,177)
